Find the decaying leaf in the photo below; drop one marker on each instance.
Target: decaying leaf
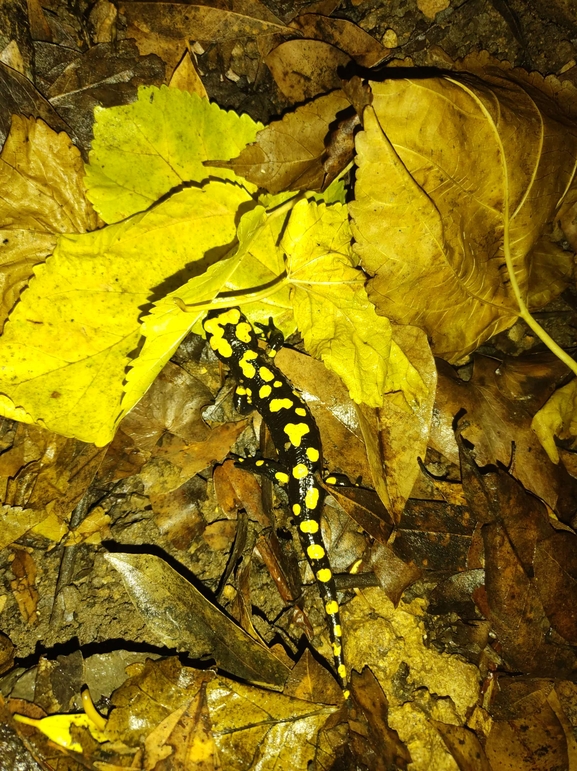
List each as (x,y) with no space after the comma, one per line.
(24,585)
(222,20)
(492,423)
(525,591)
(419,682)
(108,73)
(304,69)
(459,177)
(42,195)
(182,617)
(342,34)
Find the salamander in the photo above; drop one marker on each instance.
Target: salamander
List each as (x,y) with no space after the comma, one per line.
(262,386)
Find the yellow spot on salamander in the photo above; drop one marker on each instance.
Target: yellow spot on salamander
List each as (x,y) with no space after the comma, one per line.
(248,369)
(277,384)
(295,432)
(346,694)
(313,454)
(312,498)
(259,463)
(266,374)
(241,390)
(279,404)
(342,670)
(230,316)
(271,354)
(296,509)
(338,631)
(332,607)
(243,332)
(221,346)
(331,480)
(309,526)
(324,575)
(337,650)
(281,477)
(265,391)
(315,551)
(300,471)
(302,413)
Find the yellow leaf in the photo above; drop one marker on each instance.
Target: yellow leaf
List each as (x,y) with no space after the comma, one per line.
(143,150)
(458,179)
(558,417)
(67,344)
(256,263)
(338,323)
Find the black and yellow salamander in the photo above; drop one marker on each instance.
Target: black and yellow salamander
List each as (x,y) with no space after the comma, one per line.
(262,386)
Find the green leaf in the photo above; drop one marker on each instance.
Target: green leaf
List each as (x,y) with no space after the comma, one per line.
(338,323)
(143,150)
(68,342)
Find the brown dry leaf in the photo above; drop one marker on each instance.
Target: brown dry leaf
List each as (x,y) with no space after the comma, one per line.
(493,423)
(393,574)
(186,76)
(397,435)
(435,535)
(366,508)
(23,586)
(177,461)
(304,69)
(464,746)
(108,73)
(343,34)
(237,489)
(18,95)
(310,681)
(373,741)
(251,727)
(289,154)
(92,530)
(178,514)
(47,475)
(511,599)
(184,739)
(528,742)
(41,178)
(15,521)
(214,21)
(468,185)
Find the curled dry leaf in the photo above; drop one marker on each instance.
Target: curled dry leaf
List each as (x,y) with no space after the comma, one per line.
(459,179)
(290,154)
(304,69)
(342,34)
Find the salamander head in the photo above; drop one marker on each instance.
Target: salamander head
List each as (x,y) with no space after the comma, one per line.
(229,333)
